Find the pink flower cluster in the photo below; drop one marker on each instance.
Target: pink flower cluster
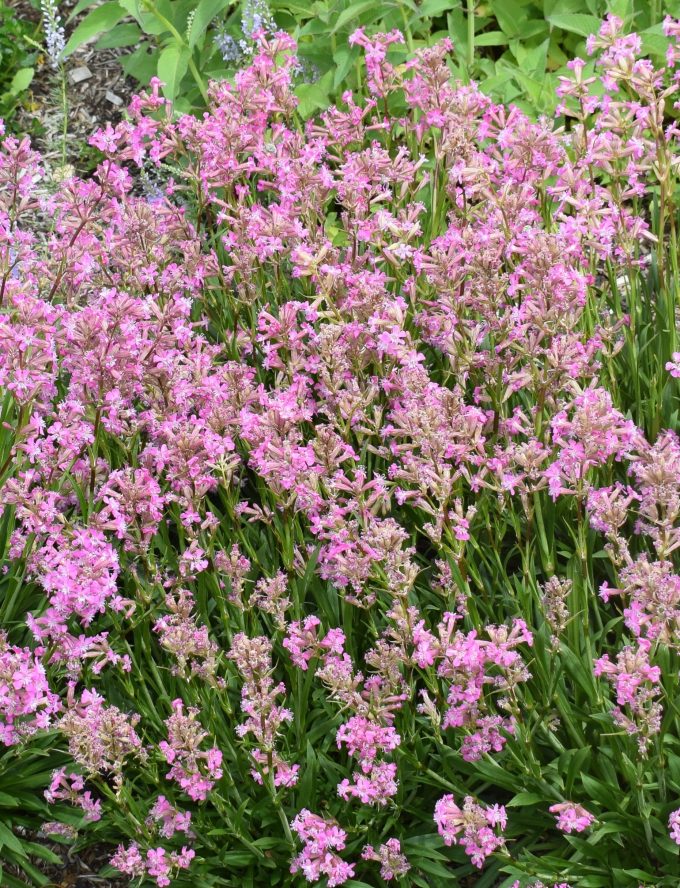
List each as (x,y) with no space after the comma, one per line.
(636,683)
(168,819)
(282,415)
(26,702)
(265,716)
(193,769)
(393,864)
(71,788)
(156,864)
(474,827)
(674,825)
(322,839)
(572,817)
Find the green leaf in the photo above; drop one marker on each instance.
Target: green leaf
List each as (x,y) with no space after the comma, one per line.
(103,18)
(172,66)
(509,15)
(141,64)
(653,41)
(432,8)
(128,34)
(314,96)
(491,38)
(576,23)
(21,81)
(9,840)
(205,13)
(78,8)
(343,60)
(148,22)
(522,799)
(354,12)
(433,868)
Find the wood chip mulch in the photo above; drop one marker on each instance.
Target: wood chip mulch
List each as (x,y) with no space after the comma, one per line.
(98,91)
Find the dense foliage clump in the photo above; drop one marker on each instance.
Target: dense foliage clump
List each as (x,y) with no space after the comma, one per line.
(341,483)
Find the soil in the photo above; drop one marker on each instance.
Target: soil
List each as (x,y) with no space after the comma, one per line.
(97,89)
(78,870)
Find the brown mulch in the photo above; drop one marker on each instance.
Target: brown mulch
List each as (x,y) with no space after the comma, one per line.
(98,91)
(78,869)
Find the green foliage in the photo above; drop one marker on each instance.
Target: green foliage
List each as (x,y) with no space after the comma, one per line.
(18,54)
(565,745)
(173,40)
(515,49)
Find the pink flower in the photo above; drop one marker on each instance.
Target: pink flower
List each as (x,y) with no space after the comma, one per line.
(195,770)
(375,788)
(674,825)
(673,366)
(26,702)
(472,826)
(168,819)
(571,817)
(365,739)
(393,864)
(265,716)
(321,838)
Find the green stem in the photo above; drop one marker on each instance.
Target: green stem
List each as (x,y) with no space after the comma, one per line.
(64,114)
(470,35)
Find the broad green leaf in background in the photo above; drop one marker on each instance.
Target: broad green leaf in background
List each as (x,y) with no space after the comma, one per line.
(314,96)
(172,66)
(141,64)
(103,18)
(148,21)
(353,13)
(510,16)
(205,13)
(21,81)
(576,23)
(124,34)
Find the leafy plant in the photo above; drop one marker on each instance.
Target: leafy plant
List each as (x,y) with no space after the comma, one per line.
(18,54)
(515,49)
(341,482)
(173,40)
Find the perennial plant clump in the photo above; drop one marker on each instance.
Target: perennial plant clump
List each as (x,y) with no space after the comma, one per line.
(341,480)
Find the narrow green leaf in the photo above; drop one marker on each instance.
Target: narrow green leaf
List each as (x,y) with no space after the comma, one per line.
(9,840)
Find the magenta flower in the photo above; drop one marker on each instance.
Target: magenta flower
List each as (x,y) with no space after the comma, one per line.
(673,366)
